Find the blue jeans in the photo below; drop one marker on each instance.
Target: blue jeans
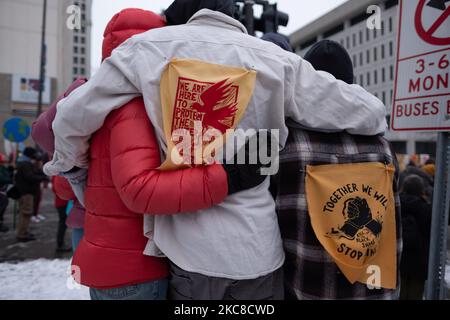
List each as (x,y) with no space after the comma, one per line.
(156,290)
(77,235)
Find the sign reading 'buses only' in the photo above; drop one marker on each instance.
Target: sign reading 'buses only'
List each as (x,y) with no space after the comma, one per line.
(422,91)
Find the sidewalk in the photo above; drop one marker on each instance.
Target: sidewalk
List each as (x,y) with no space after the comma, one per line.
(39,280)
(45,232)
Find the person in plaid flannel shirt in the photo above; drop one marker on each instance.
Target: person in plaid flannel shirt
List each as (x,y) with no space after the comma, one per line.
(310,272)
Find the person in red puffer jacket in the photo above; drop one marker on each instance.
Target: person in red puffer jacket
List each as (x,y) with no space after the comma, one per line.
(124,182)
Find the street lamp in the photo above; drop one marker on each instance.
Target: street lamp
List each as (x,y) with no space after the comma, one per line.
(42,60)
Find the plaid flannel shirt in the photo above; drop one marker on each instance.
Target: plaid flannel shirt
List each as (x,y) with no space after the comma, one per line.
(310,272)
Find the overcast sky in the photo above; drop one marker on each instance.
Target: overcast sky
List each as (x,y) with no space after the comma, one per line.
(301,12)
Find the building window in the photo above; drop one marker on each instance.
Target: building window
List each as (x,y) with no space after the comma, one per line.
(83,61)
(426,148)
(391,72)
(375,77)
(367,35)
(392,95)
(354,40)
(368,56)
(361,58)
(361,80)
(75,49)
(375,33)
(75,70)
(383,75)
(82,71)
(75,60)
(360,37)
(391,48)
(382,28)
(354,61)
(83,40)
(390,25)
(390,3)
(368,79)
(375,54)
(83,50)
(75,39)
(347,42)
(382,51)
(399,147)
(384,97)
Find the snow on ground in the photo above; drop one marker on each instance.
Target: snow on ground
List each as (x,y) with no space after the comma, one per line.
(49,280)
(39,280)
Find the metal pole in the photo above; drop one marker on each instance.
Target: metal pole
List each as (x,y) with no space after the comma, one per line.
(439,225)
(42,61)
(249,17)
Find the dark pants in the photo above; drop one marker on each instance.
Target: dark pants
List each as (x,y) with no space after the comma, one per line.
(3,205)
(37,201)
(61,226)
(25,213)
(192,286)
(411,288)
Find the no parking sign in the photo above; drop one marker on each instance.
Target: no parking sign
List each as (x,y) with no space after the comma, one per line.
(422,87)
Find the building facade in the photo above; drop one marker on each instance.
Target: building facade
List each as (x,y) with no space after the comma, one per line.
(373,52)
(68,52)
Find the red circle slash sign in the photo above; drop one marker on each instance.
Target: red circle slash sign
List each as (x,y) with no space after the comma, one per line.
(428,35)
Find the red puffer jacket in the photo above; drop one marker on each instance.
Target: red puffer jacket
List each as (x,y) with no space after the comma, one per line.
(124,183)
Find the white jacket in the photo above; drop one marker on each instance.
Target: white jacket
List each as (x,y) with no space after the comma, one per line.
(238,239)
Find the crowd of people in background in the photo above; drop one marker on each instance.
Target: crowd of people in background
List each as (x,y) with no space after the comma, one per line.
(22,180)
(416,198)
(125,190)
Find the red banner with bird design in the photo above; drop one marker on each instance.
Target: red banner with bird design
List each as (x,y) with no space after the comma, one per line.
(200,103)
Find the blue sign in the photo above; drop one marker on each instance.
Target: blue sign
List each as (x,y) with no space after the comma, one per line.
(16,130)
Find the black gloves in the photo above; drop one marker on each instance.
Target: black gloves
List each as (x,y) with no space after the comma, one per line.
(246,176)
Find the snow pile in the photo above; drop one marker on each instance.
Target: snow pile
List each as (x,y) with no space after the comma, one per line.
(39,280)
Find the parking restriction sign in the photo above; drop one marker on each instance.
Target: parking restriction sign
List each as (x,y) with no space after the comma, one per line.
(422,91)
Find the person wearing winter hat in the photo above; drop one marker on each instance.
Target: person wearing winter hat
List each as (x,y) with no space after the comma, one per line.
(27,180)
(124,183)
(235,246)
(330,56)
(310,272)
(416,225)
(6,179)
(181,11)
(279,40)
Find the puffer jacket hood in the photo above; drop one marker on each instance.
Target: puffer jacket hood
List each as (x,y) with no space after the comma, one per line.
(127,23)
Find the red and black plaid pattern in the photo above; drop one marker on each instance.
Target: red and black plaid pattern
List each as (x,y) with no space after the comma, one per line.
(310,273)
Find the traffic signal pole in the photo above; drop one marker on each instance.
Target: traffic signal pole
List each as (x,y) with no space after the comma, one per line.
(249,18)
